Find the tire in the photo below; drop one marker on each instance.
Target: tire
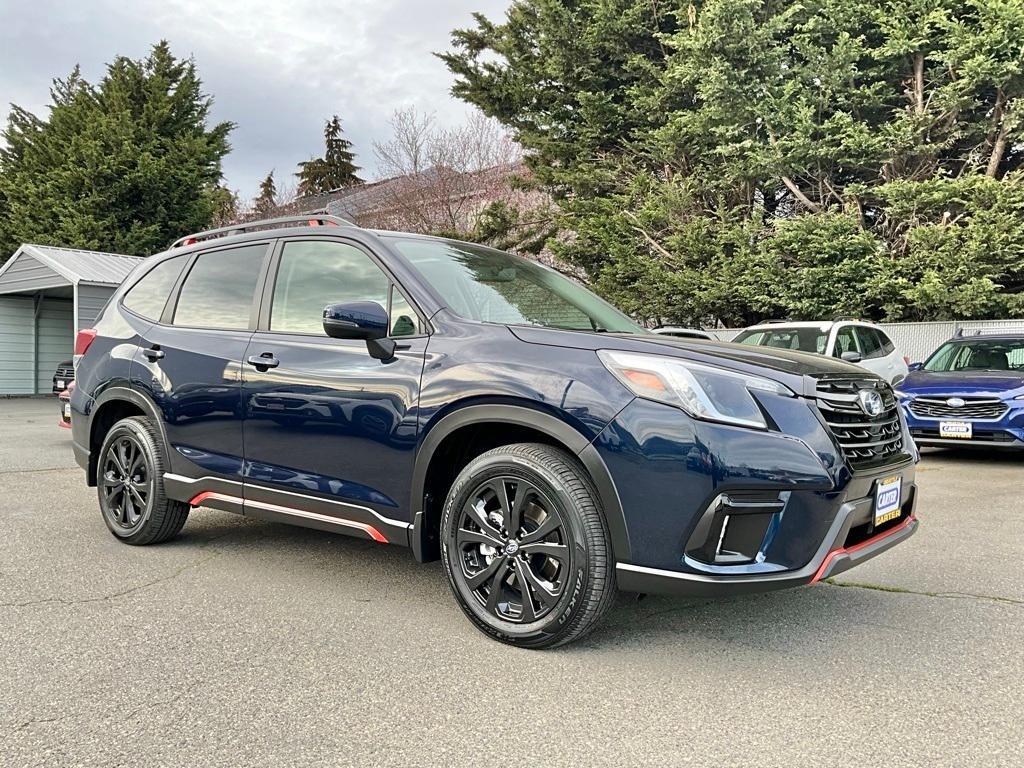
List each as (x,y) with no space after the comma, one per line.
(140,512)
(552,579)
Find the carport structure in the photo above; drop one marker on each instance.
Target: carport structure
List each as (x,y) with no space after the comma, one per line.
(46,295)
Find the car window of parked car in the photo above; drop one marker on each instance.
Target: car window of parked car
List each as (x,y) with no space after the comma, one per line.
(218,291)
(845,341)
(315,273)
(981,355)
(870,343)
(490,286)
(148,296)
(887,346)
(802,339)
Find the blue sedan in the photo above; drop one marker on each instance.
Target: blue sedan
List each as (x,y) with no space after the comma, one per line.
(970,392)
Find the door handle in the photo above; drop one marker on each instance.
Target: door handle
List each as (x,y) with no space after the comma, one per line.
(263,362)
(154,353)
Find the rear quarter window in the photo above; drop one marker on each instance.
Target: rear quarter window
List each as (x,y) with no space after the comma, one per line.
(148,296)
(887,346)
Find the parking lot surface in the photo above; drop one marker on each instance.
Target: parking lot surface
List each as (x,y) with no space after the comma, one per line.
(246,643)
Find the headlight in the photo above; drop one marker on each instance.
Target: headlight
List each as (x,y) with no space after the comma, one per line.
(701,390)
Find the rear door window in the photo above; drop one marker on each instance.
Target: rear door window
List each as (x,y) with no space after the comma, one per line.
(219,289)
(845,341)
(870,342)
(148,296)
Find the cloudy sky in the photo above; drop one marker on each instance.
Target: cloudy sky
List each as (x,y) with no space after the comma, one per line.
(277,69)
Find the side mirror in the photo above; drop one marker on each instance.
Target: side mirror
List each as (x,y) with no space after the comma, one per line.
(366,320)
(851,357)
(915,366)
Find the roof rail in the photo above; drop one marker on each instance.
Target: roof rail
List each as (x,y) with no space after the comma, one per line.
(841,318)
(310,220)
(1005,331)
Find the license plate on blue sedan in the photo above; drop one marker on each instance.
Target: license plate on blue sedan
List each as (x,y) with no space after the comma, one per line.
(958,430)
(887,499)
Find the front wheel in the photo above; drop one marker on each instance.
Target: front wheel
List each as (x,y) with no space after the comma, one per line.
(525,546)
(129,479)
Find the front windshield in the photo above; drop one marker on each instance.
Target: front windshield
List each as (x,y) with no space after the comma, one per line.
(979,355)
(491,286)
(804,339)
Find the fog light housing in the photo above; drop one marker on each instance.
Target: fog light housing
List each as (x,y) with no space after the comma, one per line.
(733,527)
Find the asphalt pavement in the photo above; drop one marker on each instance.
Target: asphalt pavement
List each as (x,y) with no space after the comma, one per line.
(243,643)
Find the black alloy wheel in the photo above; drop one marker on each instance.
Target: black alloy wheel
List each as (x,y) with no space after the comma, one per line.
(129,479)
(525,546)
(513,549)
(125,482)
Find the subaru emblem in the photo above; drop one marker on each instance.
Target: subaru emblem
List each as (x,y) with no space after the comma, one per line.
(956,402)
(870,402)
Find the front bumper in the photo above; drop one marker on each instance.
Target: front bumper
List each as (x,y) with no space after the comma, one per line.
(716,510)
(832,558)
(1004,432)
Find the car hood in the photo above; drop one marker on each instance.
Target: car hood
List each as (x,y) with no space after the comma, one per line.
(783,365)
(993,383)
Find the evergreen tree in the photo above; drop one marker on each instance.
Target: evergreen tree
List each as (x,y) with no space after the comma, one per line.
(728,160)
(266,201)
(336,169)
(225,209)
(125,165)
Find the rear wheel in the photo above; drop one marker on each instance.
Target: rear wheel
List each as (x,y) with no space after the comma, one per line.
(525,546)
(129,479)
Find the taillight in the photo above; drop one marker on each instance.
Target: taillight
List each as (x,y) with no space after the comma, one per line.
(84,340)
(906,360)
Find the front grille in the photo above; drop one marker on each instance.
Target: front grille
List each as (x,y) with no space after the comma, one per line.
(866,440)
(65,373)
(974,408)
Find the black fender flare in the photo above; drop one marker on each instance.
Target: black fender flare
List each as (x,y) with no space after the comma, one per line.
(125,395)
(553,427)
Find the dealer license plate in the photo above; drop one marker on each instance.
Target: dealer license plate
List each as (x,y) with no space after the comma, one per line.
(887,499)
(958,430)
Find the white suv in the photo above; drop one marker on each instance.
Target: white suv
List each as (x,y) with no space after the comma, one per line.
(856,341)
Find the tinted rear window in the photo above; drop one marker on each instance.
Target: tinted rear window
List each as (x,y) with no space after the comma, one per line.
(218,292)
(148,296)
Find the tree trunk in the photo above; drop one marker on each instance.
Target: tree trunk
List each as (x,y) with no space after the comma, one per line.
(998,150)
(999,145)
(807,202)
(919,82)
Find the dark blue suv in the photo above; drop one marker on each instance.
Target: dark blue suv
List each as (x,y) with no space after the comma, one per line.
(482,409)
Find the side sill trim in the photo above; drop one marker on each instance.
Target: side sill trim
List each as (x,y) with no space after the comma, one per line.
(369,530)
(372,532)
(201,481)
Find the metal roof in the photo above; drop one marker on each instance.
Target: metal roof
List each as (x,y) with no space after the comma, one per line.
(78,266)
